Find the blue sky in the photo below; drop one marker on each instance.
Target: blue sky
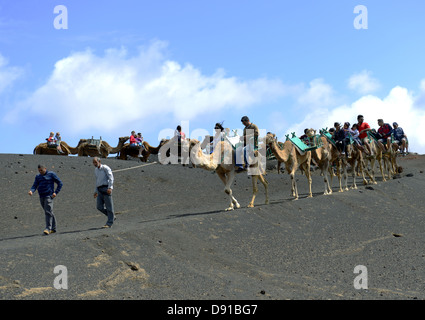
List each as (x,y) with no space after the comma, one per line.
(149,65)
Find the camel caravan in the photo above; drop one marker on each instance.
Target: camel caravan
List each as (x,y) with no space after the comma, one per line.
(98,148)
(334,152)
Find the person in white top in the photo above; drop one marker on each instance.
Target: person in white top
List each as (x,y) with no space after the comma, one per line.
(103,191)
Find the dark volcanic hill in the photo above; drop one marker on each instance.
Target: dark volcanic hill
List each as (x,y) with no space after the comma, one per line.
(173,240)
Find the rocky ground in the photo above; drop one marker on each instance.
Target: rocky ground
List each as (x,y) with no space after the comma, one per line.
(173,240)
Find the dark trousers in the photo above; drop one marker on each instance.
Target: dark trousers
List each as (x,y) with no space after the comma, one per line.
(47,205)
(105,204)
(341,145)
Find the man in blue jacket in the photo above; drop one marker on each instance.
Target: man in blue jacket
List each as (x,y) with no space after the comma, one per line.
(45,184)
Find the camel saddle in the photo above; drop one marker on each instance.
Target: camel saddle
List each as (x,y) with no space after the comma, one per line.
(328,136)
(94,143)
(315,142)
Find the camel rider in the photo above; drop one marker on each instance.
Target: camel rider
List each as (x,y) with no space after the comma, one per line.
(219,135)
(339,137)
(179,134)
(385,131)
(400,137)
(53,142)
(134,143)
(250,139)
(363,128)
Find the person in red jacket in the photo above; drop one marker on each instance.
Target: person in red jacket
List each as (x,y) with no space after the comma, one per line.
(363,128)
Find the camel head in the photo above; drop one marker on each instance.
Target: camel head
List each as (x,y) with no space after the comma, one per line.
(163,141)
(208,139)
(269,138)
(193,143)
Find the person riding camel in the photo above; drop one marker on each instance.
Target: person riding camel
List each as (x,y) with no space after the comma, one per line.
(135,143)
(339,137)
(250,140)
(384,131)
(53,142)
(363,128)
(401,138)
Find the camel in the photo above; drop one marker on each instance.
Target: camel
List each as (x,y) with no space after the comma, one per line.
(223,161)
(293,160)
(356,162)
(377,156)
(324,156)
(328,152)
(391,155)
(127,150)
(42,148)
(85,150)
(268,150)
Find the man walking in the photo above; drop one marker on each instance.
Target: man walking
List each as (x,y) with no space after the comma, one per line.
(45,184)
(103,191)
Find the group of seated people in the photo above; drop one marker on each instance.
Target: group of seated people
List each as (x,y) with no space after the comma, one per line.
(54,141)
(136,141)
(358,135)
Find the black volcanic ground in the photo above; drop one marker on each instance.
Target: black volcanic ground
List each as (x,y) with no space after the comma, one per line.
(173,240)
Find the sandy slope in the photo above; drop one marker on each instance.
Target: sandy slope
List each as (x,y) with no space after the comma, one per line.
(172,239)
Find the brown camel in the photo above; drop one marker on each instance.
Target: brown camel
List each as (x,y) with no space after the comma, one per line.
(223,161)
(323,157)
(134,152)
(391,156)
(268,149)
(356,163)
(377,156)
(42,148)
(293,160)
(85,150)
(327,155)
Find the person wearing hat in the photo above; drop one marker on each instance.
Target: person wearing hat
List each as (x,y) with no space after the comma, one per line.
(400,137)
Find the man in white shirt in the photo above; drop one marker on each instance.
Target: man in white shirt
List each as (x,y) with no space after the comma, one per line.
(103,190)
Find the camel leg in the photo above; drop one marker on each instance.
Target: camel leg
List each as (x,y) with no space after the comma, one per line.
(381,169)
(372,165)
(345,175)
(254,190)
(266,187)
(370,173)
(354,186)
(362,173)
(294,186)
(339,167)
(278,167)
(306,168)
(328,189)
(227,183)
(310,193)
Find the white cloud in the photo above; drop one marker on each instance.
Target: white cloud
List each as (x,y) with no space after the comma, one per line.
(87,91)
(363,82)
(400,105)
(8,75)
(318,95)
